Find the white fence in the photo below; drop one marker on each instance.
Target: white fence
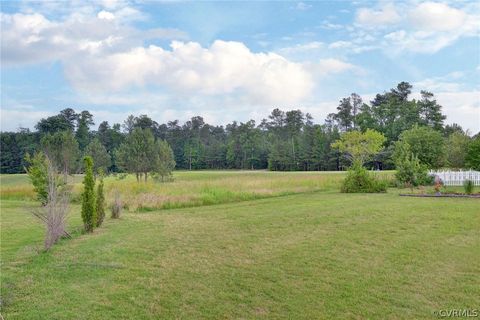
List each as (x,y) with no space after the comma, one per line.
(457,178)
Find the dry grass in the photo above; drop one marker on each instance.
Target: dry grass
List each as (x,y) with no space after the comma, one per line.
(190,189)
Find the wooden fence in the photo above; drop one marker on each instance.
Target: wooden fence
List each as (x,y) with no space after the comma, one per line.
(457,178)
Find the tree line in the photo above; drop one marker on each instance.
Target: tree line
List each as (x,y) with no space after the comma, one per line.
(285,141)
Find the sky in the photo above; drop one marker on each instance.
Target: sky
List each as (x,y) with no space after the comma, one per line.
(230,61)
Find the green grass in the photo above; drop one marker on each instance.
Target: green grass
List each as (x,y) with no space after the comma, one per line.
(191,189)
(299,256)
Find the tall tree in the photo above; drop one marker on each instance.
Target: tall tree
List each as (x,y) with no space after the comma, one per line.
(456,147)
(426,144)
(360,147)
(53,124)
(402,91)
(100,156)
(85,120)
(70,116)
(344,115)
(430,111)
(136,153)
(164,160)
(62,149)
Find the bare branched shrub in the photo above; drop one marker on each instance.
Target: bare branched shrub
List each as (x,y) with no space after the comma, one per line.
(54,213)
(116,205)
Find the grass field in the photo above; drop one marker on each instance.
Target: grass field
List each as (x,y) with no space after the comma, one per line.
(275,245)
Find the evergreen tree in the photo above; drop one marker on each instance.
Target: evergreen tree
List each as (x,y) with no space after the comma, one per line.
(164,161)
(99,154)
(89,215)
(136,154)
(100,201)
(430,111)
(85,120)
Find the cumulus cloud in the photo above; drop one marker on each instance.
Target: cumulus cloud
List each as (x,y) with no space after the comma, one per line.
(303,6)
(435,16)
(426,27)
(462,107)
(373,18)
(223,68)
(331,65)
(32,38)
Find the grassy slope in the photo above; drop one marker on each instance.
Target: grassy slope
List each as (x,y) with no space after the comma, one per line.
(317,255)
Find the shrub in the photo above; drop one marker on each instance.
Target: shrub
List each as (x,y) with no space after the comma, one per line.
(116,206)
(38,173)
(409,169)
(473,154)
(468,186)
(359,180)
(100,202)
(88,197)
(54,213)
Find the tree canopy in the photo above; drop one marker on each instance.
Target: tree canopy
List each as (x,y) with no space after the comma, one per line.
(285,140)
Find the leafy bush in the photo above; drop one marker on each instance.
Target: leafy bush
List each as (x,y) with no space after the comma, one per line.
(88,197)
(473,154)
(468,186)
(359,180)
(38,173)
(409,169)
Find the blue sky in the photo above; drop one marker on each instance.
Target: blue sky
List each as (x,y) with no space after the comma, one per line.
(232,60)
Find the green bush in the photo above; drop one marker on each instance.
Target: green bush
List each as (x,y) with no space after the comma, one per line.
(468,186)
(38,173)
(409,169)
(359,180)
(89,216)
(100,202)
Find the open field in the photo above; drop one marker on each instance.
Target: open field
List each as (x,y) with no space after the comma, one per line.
(196,188)
(302,251)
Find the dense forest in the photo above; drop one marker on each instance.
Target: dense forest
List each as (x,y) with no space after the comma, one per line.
(286,140)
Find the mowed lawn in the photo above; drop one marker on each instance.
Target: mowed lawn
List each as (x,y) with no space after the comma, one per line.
(314,255)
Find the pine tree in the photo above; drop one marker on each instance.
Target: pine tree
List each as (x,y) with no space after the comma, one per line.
(89,216)
(100,205)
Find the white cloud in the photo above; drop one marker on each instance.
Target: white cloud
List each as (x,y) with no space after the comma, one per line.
(372,18)
(223,68)
(32,38)
(340,45)
(425,27)
(302,48)
(331,65)
(330,26)
(446,83)
(435,16)
(462,107)
(303,6)
(105,15)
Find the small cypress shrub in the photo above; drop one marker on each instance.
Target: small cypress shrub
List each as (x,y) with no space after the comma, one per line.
(89,216)
(468,186)
(100,202)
